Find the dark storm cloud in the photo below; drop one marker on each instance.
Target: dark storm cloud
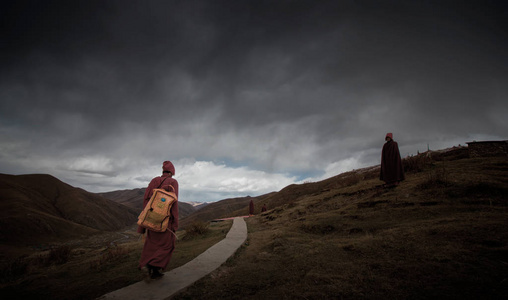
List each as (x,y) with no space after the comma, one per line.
(106,87)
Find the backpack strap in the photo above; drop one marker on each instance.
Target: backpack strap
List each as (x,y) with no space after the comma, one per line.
(172,188)
(167,185)
(162,182)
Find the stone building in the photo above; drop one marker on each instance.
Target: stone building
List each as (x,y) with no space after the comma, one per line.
(488,148)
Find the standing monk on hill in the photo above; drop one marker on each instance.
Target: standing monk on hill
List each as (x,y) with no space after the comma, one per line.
(159,246)
(392,171)
(251,208)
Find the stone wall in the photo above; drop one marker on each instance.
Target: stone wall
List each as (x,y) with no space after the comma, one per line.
(488,148)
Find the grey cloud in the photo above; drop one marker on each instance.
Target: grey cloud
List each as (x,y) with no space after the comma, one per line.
(284,86)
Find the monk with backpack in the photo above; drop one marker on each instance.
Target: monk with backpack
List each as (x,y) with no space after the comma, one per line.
(159,220)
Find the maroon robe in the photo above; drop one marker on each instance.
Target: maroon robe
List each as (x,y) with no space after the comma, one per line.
(159,246)
(392,170)
(251,207)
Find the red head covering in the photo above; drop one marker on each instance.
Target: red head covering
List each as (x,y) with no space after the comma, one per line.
(390,135)
(167,166)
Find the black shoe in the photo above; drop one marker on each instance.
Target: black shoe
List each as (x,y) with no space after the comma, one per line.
(156,274)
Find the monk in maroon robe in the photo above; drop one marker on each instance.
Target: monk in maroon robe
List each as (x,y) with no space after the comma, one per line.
(159,246)
(392,171)
(251,208)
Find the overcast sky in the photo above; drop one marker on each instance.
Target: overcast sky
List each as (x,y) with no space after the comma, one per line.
(244,97)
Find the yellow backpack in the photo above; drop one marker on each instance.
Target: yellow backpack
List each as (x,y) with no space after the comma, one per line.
(155,216)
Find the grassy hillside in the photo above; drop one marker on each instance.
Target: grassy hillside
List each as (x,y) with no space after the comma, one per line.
(131,198)
(89,268)
(134,199)
(39,208)
(221,209)
(441,234)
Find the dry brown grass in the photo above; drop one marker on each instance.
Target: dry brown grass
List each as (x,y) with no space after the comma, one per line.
(441,234)
(38,209)
(94,266)
(196,228)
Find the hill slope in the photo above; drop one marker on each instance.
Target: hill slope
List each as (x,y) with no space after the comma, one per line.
(134,199)
(39,208)
(131,198)
(222,209)
(441,234)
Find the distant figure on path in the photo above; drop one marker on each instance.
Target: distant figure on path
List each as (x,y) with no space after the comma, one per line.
(251,208)
(159,246)
(392,171)
(263,209)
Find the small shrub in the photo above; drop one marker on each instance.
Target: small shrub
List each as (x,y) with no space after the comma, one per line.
(196,228)
(59,255)
(436,177)
(13,270)
(416,164)
(351,180)
(456,153)
(114,252)
(479,192)
(439,174)
(109,255)
(318,228)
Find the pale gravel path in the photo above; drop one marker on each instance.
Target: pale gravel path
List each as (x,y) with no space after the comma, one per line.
(182,277)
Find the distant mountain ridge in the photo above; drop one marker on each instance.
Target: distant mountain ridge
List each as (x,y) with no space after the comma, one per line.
(224,208)
(37,208)
(134,199)
(198,205)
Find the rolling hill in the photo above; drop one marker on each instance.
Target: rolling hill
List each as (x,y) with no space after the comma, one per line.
(134,199)
(131,198)
(440,234)
(292,193)
(39,208)
(222,209)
